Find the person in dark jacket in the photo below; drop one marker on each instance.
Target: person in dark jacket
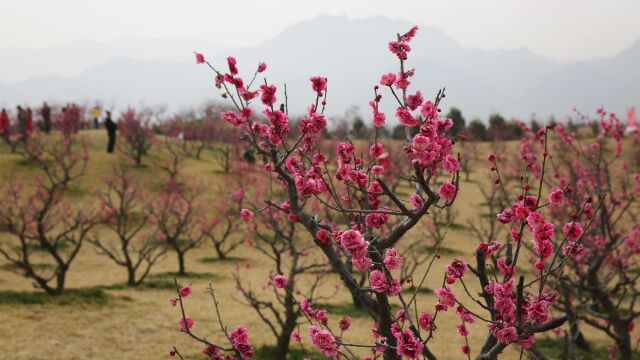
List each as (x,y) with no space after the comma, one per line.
(22,122)
(45,112)
(111,132)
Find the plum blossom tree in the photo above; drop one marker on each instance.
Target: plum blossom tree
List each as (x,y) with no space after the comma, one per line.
(375,219)
(223,227)
(469,151)
(137,134)
(224,147)
(124,212)
(9,131)
(275,237)
(70,119)
(598,249)
(196,135)
(177,216)
(38,217)
(172,155)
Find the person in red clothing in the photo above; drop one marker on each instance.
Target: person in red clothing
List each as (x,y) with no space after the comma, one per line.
(4,124)
(29,121)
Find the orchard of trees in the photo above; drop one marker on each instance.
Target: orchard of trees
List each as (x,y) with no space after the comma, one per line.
(555,242)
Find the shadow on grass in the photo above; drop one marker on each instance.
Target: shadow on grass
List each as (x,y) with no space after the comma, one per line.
(26,162)
(13,268)
(554,349)
(443,250)
(215,260)
(347,309)
(95,296)
(293,353)
(422,291)
(162,281)
(344,309)
(452,226)
(148,284)
(189,275)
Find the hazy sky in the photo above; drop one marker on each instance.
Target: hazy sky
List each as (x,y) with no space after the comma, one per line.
(561,29)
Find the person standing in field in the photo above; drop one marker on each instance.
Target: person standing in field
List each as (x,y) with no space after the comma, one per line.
(4,124)
(111,132)
(29,121)
(45,112)
(22,122)
(95,113)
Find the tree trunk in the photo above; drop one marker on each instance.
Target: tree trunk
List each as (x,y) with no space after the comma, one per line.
(578,338)
(623,341)
(282,346)
(59,287)
(356,302)
(131,277)
(221,254)
(181,270)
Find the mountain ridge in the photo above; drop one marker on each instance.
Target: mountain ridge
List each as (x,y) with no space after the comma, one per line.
(352,54)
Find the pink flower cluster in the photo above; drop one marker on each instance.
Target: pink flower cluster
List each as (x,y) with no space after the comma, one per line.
(323,340)
(535,310)
(186,323)
(357,247)
(379,283)
(408,345)
(543,231)
(426,322)
(317,315)
(240,339)
(430,147)
(279,281)
(348,172)
(308,181)
(185,291)
(246,214)
(446,298)
(401,47)
(455,270)
(313,123)
(391,259)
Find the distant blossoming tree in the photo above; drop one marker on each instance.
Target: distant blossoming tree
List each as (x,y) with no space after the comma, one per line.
(36,216)
(124,212)
(137,134)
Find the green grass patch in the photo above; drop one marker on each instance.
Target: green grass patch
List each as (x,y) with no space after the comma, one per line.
(452,226)
(554,349)
(76,191)
(68,297)
(26,162)
(188,275)
(443,250)
(293,353)
(216,260)
(147,284)
(344,309)
(11,267)
(347,309)
(424,290)
(37,247)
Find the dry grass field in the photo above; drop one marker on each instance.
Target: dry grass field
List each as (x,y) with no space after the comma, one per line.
(100,318)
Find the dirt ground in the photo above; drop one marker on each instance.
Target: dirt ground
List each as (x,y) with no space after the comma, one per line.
(141,324)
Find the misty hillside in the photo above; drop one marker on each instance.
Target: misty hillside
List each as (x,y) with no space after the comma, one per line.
(352,54)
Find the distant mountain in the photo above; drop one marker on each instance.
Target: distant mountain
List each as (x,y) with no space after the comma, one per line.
(352,54)
(73,59)
(120,81)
